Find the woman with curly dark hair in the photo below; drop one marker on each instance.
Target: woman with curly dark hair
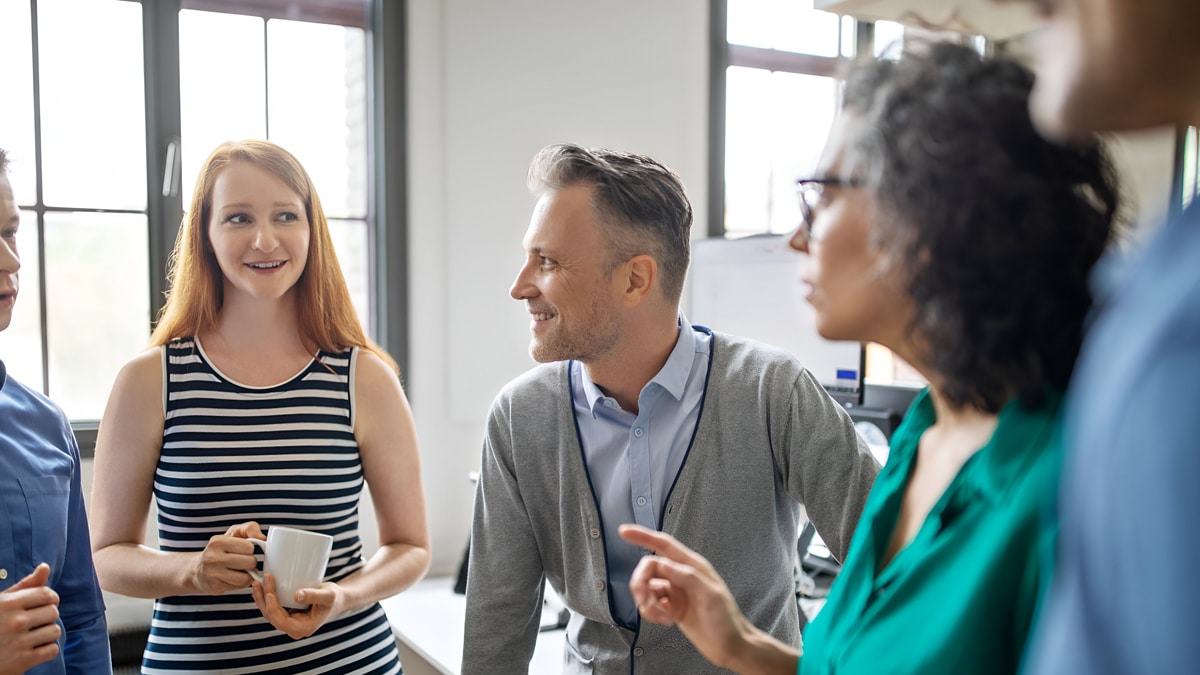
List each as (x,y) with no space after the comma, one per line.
(942,226)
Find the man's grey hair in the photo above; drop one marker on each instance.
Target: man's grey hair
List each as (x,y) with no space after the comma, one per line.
(641,203)
(3,162)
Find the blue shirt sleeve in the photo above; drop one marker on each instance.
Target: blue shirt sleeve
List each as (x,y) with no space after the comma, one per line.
(1152,545)
(42,520)
(1125,582)
(81,603)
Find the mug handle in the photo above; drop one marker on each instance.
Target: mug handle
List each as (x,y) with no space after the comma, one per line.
(255,574)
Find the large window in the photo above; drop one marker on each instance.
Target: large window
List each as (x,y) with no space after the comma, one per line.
(780,60)
(780,99)
(281,80)
(110,108)
(74,125)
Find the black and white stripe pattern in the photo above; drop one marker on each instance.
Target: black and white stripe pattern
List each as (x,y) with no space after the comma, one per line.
(280,455)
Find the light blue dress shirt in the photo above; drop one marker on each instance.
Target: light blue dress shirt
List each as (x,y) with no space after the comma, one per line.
(1125,596)
(632,460)
(42,520)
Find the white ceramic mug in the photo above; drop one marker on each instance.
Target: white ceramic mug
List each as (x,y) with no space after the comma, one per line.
(296,558)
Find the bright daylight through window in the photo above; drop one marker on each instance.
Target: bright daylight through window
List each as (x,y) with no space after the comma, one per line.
(75,127)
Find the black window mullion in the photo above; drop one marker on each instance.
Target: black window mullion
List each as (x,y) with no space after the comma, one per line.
(785,62)
(718,63)
(388,189)
(350,13)
(266,79)
(164,203)
(864,39)
(40,204)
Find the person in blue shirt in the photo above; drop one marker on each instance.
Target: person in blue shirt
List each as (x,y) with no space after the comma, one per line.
(1125,588)
(51,608)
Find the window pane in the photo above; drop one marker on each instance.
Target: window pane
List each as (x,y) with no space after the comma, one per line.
(317,75)
(889,39)
(21,342)
(884,367)
(222,89)
(1191,164)
(747,151)
(351,241)
(849,37)
(789,25)
(776,126)
(16,111)
(98,304)
(92,103)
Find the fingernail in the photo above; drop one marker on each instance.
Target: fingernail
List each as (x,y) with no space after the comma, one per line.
(300,596)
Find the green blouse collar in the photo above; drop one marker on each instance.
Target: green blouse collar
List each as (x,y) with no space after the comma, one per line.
(1020,434)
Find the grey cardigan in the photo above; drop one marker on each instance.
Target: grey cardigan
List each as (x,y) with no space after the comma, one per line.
(769,440)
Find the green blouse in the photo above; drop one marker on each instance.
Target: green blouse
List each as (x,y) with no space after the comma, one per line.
(960,597)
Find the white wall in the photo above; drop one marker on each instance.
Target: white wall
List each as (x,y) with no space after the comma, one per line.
(1145,162)
(490,84)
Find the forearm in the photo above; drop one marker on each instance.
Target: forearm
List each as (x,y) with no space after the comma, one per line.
(760,654)
(393,568)
(139,571)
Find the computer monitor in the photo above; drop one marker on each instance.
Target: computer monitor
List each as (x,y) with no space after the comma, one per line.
(751,287)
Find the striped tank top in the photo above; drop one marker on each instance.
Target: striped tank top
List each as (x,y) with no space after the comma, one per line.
(280,455)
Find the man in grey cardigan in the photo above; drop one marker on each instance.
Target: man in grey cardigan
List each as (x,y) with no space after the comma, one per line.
(635,415)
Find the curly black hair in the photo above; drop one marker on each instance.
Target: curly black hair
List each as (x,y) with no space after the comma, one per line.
(997,228)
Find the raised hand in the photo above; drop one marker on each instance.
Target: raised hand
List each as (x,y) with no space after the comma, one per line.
(679,586)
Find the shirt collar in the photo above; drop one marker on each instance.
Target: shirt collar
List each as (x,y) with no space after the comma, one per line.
(3,375)
(672,377)
(1020,438)
(675,372)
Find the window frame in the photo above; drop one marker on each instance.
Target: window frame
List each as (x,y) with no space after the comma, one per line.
(722,55)
(384,23)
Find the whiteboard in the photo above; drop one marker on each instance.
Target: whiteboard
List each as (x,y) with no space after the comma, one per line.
(751,287)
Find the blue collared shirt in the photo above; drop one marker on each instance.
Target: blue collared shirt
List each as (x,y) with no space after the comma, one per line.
(42,520)
(632,460)
(1124,593)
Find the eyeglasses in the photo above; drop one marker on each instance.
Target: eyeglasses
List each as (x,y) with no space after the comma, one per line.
(811,192)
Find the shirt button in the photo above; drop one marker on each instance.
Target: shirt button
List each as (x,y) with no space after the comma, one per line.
(638,432)
(3,574)
(599,584)
(638,651)
(641,501)
(595,533)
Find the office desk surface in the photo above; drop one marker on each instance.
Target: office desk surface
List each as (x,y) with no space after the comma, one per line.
(428,619)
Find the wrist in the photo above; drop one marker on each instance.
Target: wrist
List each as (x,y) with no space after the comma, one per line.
(189,575)
(757,653)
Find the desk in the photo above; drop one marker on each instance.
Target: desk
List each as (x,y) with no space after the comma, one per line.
(428,620)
